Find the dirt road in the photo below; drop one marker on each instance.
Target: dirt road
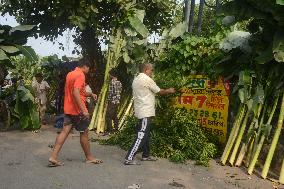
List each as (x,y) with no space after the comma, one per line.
(23,165)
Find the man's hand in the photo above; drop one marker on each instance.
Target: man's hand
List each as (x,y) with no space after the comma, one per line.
(167,91)
(171,90)
(95,97)
(86,114)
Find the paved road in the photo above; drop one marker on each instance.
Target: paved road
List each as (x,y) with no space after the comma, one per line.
(23,165)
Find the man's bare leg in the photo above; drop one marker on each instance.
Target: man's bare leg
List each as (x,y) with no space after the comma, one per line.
(84,140)
(60,139)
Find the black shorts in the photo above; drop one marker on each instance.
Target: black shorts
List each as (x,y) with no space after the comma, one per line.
(79,122)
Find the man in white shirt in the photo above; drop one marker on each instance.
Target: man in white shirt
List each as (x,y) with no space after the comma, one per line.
(41,88)
(144,91)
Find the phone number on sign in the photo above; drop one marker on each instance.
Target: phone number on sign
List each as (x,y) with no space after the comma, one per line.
(205,113)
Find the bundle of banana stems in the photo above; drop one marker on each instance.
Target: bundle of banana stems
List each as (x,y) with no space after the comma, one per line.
(249,147)
(98,118)
(253,123)
(125,110)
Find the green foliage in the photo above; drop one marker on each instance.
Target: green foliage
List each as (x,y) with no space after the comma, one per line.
(280,2)
(12,40)
(25,109)
(174,135)
(191,55)
(54,17)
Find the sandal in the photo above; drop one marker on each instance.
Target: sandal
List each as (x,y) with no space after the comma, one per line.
(55,163)
(150,158)
(95,161)
(129,162)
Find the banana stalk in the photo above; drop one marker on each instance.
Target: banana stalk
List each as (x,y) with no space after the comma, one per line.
(101,114)
(257,137)
(239,138)
(94,116)
(281,178)
(123,106)
(249,138)
(274,142)
(244,146)
(233,134)
(98,118)
(264,135)
(127,112)
(249,154)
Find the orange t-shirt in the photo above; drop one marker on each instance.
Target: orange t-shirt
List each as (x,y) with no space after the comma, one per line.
(74,79)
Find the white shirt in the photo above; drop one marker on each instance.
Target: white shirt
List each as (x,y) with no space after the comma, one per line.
(88,90)
(40,89)
(144,90)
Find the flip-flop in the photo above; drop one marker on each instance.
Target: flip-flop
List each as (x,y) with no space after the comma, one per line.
(133,162)
(94,161)
(150,158)
(55,163)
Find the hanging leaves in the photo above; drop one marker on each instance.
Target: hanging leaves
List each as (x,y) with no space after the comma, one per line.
(280,2)
(9,49)
(278,46)
(136,23)
(22,28)
(178,30)
(28,52)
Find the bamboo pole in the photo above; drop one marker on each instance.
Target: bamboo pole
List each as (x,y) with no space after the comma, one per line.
(233,134)
(274,141)
(261,142)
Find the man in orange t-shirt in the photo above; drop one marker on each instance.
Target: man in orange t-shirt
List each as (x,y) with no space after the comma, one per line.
(76,113)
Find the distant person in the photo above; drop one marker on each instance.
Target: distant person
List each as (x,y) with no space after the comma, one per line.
(89,100)
(114,93)
(144,90)
(76,113)
(41,88)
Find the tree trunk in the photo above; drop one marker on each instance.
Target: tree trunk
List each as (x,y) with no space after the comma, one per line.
(3,73)
(200,13)
(186,12)
(217,7)
(92,50)
(217,12)
(192,7)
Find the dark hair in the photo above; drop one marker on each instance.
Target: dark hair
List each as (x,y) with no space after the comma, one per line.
(113,72)
(83,62)
(38,75)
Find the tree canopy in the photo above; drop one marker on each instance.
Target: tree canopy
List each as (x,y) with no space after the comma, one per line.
(53,17)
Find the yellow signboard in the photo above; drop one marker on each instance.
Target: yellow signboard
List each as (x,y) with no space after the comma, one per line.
(208,102)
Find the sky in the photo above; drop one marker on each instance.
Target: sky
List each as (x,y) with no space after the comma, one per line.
(43,47)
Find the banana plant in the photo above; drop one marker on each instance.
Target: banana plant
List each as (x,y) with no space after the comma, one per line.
(129,44)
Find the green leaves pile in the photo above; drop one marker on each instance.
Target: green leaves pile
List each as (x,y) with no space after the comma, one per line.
(174,136)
